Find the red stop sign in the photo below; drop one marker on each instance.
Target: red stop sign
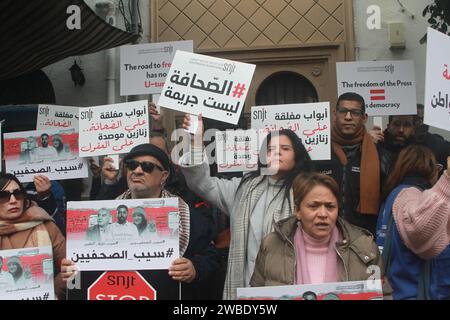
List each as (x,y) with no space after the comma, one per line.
(121,285)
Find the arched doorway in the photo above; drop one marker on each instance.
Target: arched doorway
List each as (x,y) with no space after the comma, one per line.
(285,88)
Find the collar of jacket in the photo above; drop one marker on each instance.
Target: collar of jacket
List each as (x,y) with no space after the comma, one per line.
(354,238)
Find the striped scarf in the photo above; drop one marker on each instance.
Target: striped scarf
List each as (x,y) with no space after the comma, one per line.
(251,192)
(184,215)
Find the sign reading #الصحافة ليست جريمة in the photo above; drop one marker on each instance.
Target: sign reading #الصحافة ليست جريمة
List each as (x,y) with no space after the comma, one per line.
(216,88)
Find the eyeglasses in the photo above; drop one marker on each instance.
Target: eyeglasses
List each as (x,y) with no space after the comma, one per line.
(354,112)
(146,166)
(5,195)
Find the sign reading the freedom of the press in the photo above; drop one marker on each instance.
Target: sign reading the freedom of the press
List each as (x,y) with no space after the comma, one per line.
(144,67)
(215,87)
(113,129)
(310,121)
(388,87)
(437,88)
(51,117)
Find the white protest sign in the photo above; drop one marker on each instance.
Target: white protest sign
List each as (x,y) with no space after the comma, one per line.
(144,67)
(27,274)
(388,87)
(310,121)
(53,153)
(237,150)
(214,87)
(139,234)
(437,85)
(155,98)
(113,129)
(114,161)
(351,290)
(51,117)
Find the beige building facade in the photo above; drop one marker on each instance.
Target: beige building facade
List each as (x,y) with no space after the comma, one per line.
(295,44)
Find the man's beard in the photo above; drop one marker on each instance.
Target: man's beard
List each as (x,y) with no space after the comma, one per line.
(396,147)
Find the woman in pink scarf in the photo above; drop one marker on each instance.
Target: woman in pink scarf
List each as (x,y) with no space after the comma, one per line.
(316,246)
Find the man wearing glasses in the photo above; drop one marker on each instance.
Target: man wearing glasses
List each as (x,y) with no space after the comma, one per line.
(357,164)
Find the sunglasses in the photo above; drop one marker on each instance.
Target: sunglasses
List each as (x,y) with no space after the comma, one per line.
(146,166)
(5,195)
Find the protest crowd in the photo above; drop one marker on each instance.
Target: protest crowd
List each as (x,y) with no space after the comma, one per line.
(310,222)
(310,196)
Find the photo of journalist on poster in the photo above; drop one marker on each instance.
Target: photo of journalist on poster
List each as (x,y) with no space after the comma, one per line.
(138,234)
(53,152)
(27,274)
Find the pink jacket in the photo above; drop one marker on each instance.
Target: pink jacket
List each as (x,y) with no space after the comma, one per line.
(423,218)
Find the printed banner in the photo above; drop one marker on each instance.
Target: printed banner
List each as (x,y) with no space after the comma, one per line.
(237,150)
(144,67)
(113,129)
(388,87)
(354,290)
(215,87)
(61,117)
(437,84)
(27,274)
(310,121)
(53,153)
(123,234)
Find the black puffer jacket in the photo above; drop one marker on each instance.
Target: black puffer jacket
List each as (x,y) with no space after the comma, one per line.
(348,179)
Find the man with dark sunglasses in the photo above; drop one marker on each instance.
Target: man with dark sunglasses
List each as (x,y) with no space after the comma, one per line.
(357,165)
(148,169)
(201,250)
(114,183)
